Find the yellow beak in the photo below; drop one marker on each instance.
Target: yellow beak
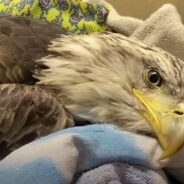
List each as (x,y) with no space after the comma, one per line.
(167,123)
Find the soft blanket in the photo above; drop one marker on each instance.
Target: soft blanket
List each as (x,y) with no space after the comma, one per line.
(76,16)
(62,157)
(164,28)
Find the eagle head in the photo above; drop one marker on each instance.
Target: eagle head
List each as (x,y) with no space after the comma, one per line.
(110,78)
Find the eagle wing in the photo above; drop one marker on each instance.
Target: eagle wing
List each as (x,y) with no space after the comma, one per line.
(22,41)
(28,112)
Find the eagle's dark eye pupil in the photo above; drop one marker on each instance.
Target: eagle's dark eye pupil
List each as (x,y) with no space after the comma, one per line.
(154,77)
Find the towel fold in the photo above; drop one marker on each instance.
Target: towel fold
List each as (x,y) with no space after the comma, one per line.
(122,173)
(164,28)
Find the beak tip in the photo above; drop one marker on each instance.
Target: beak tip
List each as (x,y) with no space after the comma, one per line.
(163,157)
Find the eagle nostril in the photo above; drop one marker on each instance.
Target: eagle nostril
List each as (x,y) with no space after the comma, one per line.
(178,112)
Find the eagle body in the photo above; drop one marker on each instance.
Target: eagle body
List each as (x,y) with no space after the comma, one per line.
(26,111)
(50,77)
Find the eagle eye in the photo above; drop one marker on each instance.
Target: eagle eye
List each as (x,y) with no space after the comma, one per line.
(153,77)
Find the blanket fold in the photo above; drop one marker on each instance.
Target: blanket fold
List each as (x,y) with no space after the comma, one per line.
(122,173)
(60,157)
(164,28)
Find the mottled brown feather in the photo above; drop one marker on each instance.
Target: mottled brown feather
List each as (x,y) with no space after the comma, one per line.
(26,113)
(22,41)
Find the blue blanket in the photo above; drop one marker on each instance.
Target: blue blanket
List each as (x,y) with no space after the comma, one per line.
(74,154)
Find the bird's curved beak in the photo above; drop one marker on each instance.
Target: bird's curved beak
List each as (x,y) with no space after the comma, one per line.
(167,122)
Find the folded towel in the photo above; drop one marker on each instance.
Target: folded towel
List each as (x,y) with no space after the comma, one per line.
(162,29)
(74,15)
(60,157)
(122,173)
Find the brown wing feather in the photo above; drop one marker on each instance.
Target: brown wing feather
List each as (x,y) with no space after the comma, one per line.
(28,112)
(22,40)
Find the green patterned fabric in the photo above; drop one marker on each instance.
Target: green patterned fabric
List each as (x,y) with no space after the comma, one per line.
(74,15)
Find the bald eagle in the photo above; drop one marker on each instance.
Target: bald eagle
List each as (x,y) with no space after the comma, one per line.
(49,77)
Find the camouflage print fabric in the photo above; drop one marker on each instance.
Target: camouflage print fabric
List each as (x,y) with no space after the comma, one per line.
(74,15)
